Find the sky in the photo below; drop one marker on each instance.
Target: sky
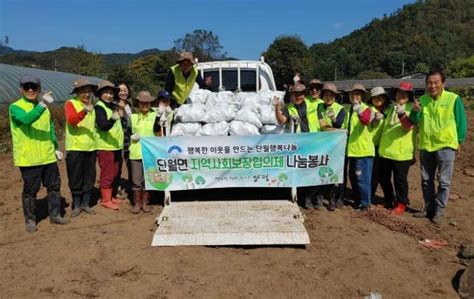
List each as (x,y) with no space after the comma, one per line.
(245,28)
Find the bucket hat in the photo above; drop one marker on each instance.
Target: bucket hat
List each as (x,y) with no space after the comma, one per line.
(105,84)
(81,82)
(298,88)
(358,86)
(185,56)
(145,97)
(331,87)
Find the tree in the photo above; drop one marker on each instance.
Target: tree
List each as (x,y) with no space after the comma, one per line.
(462,68)
(86,63)
(204,45)
(287,55)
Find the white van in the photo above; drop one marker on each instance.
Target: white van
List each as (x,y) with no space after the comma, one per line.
(239,75)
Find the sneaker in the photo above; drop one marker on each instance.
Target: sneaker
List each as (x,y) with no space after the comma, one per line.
(58,220)
(88,210)
(438,218)
(399,209)
(362,208)
(76,212)
(31,226)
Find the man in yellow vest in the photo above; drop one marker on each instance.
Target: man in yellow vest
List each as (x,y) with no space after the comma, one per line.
(305,115)
(181,78)
(35,150)
(81,145)
(442,126)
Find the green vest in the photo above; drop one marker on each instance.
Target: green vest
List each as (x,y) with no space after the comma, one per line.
(32,144)
(183,86)
(396,143)
(311,115)
(81,137)
(360,143)
(142,125)
(376,131)
(438,125)
(336,108)
(112,139)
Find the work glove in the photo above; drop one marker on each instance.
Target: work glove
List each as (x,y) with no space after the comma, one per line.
(276,101)
(59,155)
(135,137)
(88,108)
(378,116)
(332,116)
(400,110)
(416,106)
(47,99)
(115,115)
(356,107)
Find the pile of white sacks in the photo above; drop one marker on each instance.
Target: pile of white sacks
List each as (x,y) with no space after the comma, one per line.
(225,113)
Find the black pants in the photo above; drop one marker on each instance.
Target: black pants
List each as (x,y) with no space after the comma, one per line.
(375,171)
(81,171)
(400,175)
(33,176)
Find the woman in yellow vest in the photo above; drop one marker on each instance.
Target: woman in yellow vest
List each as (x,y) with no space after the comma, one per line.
(81,145)
(109,142)
(35,150)
(397,149)
(379,102)
(305,116)
(360,148)
(332,116)
(144,123)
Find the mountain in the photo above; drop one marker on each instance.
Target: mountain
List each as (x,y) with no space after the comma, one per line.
(415,38)
(126,58)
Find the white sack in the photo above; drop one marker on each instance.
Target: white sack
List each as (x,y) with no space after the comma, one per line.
(217,129)
(185,129)
(238,127)
(249,114)
(273,129)
(267,115)
(199,96)
(220,113)
(190,113)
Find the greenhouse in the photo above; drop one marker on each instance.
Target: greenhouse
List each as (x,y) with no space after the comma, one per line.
(59,83)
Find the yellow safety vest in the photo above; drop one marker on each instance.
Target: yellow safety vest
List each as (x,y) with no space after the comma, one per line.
(142,125)
(81,137)
(396,143)
(437,124)
(183,86)
(112,139)
(377,130)
(336,108)
(311,115)
(32,144)
(360,143)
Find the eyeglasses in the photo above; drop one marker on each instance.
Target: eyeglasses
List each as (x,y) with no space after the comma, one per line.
(28,86)
(314,88)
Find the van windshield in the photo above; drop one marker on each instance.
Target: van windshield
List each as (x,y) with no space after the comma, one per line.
(248,79)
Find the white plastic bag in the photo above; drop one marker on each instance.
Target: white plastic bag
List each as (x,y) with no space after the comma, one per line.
(268,95)
(273,129)
(199,96)
(185,129)
(219,98)
(220,113)
(249,99)
(249,114)
(190,113)
(267,115)
(216,129)
(238,127)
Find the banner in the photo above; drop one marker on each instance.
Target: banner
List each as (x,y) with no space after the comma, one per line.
(283,160)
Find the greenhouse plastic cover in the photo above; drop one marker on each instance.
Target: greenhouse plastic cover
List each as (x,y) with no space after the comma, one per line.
(59,83)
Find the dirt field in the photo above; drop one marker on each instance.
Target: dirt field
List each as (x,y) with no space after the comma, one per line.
(109,254)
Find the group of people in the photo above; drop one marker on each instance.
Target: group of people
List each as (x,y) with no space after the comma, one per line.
(382,140)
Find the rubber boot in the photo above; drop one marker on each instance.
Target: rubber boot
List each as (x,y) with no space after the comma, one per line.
(76,201)
(399,209)
(332,201)
(29,206)
(137,198)
(54,208)
(106,199)
(308,203)
(145,200)
(85,204)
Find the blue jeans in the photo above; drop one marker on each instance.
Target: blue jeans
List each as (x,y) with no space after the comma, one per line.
(360,175)
(443,162)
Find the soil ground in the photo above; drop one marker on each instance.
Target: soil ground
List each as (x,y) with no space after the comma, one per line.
(109,254)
